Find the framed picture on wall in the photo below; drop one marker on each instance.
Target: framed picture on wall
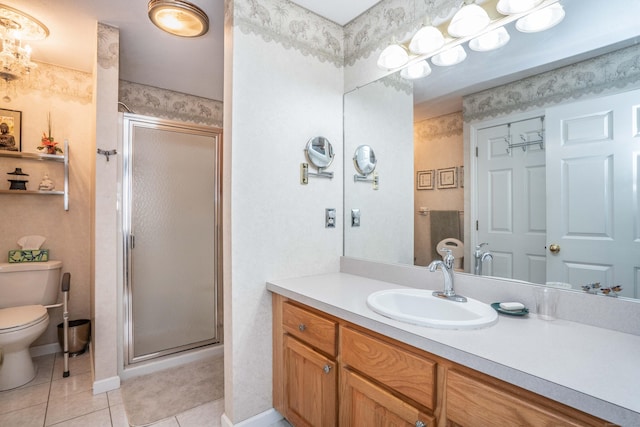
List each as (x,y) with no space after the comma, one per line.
(425,180)
(10,130)
(447,178)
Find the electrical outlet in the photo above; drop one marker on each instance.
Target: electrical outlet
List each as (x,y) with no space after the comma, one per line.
(355,217)
(330,218)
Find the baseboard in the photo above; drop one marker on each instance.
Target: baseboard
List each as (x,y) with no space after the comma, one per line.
(43,350)
(105,385)
(266,418)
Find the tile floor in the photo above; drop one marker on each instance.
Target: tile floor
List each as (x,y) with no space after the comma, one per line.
(50,400)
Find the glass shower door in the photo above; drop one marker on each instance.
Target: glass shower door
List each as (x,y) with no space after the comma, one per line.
(172,188)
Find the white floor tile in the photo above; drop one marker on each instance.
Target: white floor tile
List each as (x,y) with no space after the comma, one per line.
(64,387)
(95,419)
(12,400)
(75,405)
(32,416)
(169,422)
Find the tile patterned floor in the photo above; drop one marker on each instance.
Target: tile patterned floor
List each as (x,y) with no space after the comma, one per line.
(50,400)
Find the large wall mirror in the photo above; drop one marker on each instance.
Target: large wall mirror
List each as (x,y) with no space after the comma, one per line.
(443,182)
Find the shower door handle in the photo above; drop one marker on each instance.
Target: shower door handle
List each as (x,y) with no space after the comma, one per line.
(132,241)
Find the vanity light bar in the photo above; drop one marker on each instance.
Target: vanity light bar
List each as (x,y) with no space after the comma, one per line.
(494,25)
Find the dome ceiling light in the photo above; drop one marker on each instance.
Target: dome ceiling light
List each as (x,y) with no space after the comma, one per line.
(472,23)
(178,17)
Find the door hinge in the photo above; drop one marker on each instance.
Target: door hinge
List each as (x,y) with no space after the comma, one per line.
(132,241)
(476,151)
(477,225)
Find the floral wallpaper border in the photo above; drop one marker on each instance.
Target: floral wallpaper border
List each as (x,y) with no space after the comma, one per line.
(52,80)
(607,73)
(108,46)
(391,19)
(168,104)
(439,127)
(291,26)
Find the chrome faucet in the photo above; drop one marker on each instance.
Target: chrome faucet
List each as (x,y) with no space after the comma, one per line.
(480,257)
(446,265)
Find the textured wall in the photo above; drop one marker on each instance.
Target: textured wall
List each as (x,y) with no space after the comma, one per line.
(278,96)
(105,262)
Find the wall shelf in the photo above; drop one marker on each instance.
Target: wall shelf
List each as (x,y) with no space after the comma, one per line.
(60,158)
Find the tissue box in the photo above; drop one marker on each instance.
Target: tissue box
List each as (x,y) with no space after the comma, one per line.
(29,255)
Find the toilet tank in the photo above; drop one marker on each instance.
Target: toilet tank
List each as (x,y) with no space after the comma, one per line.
(28,283)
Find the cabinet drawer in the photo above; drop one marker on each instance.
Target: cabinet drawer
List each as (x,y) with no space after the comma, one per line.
(401,370)
(472,402)
(309,327)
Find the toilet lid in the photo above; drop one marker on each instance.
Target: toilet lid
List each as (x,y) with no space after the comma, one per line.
(21,316)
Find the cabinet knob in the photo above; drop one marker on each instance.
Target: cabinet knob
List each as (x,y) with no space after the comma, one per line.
(420,424)
(326,369)
(301,327)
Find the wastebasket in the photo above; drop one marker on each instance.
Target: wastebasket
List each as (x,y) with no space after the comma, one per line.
(79,333)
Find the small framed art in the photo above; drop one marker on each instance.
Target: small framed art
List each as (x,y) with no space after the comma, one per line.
(447,178)
(10,130)
(425,180)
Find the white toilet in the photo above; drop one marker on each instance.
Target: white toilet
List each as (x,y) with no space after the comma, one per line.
(25,291)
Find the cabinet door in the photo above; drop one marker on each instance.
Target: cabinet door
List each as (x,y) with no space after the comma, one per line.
(364,404)
(310,386)
(471,402)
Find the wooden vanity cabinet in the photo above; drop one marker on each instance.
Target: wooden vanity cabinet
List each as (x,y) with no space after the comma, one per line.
(329,372)
(305,370)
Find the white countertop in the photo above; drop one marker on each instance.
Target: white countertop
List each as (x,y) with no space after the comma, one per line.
(593,369)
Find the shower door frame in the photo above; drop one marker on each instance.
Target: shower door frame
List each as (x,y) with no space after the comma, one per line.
(130,121)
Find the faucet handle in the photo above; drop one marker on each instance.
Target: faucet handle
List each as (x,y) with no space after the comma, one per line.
(448,257)
(478,247)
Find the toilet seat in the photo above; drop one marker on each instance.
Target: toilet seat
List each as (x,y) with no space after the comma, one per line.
(16,318)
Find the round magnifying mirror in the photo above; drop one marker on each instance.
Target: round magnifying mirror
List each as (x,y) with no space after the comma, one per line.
(364,160)
(319,152)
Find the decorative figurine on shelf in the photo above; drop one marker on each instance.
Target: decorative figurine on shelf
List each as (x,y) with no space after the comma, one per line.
(18,181)
(46,184)
(49,146)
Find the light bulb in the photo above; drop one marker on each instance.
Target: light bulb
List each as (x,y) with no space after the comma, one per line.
(452,56)
(542,19)
(416,71)
(393,56)
(428,39)
(490,41)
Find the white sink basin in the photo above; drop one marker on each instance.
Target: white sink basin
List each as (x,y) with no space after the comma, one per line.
(420,307)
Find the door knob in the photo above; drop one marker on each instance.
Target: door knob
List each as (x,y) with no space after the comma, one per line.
(554,248)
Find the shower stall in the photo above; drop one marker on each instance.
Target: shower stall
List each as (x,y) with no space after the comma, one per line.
(171,203)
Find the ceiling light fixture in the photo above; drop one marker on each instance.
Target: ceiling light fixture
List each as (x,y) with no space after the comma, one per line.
(472,23)
(178,17)
(15,28)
